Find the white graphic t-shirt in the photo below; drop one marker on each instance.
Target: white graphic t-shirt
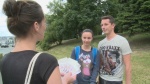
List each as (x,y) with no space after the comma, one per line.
(111,66)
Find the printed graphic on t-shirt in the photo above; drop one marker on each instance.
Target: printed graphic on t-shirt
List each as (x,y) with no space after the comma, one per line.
(85,64)
(110,59)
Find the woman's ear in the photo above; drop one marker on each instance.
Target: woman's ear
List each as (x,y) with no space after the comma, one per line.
(36,26)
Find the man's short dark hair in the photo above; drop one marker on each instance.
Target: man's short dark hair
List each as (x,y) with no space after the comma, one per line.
(112,21)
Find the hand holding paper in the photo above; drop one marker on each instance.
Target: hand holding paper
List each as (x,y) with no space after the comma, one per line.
(69,65)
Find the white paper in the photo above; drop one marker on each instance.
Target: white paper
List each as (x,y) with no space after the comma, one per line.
(69,65)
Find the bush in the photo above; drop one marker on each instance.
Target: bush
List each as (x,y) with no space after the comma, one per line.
(1,55)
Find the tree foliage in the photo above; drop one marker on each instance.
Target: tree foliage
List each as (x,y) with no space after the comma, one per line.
(67,20)
(134,16)
(55,29)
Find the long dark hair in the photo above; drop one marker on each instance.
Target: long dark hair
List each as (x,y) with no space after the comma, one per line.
(21,16)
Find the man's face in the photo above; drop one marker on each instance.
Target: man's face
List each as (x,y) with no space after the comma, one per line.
(106,26)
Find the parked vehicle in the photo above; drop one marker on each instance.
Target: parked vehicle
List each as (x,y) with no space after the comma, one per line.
(4,45)
(11,45)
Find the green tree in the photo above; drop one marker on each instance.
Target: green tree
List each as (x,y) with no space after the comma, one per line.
(134,16)
(66,21)
(55,28)
(82,14)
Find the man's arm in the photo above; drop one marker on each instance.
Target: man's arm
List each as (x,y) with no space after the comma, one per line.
(127,63)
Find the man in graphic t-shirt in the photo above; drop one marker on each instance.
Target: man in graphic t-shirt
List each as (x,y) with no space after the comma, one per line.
(115,55)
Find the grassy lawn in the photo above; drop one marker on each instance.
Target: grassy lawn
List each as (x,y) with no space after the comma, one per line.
(140,45)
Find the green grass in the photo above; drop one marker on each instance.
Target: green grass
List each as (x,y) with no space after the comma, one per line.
(141,67)
(67,46)
(140,45)
(1,55)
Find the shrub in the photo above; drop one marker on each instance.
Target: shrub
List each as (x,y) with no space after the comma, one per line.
(1,55)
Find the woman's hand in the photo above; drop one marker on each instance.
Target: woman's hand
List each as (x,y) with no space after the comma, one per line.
(68,78)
